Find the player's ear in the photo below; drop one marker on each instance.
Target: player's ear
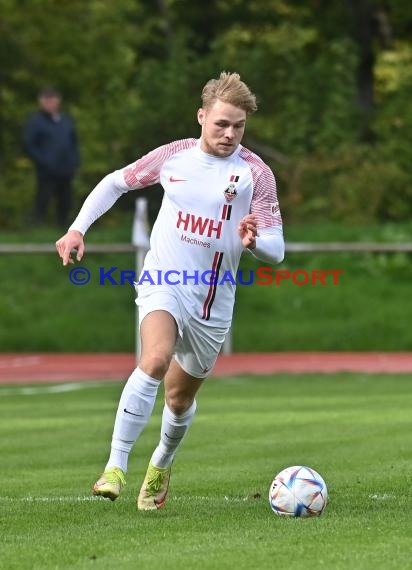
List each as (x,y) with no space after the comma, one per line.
(200,116)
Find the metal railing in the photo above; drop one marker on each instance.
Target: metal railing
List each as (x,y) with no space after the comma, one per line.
(291,247)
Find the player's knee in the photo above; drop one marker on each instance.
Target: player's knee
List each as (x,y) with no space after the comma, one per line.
(155,364)
(178,403)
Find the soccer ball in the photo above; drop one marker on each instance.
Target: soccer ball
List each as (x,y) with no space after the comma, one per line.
(298,491)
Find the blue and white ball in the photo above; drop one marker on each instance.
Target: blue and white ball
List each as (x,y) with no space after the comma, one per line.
(298,491)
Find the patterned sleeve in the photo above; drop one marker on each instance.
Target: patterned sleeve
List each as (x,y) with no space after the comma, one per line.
(146,170)
(265,204)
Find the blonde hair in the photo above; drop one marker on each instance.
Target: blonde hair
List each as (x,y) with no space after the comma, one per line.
(229,89)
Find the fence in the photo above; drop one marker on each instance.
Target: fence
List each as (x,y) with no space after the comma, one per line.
(291,247)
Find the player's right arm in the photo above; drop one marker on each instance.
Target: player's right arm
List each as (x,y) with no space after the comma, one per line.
(140,174)
(96,204)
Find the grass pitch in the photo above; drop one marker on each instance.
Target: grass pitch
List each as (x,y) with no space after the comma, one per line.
(354,429)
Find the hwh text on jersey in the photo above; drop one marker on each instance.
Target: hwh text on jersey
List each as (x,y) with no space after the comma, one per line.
(199,225)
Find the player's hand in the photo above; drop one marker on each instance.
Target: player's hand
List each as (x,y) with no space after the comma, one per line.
(247,231)
(72,240)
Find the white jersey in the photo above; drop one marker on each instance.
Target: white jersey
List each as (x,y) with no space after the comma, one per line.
(195,235)
(194,244)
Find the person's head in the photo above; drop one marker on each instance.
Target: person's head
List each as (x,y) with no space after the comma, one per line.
(49,100)
(227,102)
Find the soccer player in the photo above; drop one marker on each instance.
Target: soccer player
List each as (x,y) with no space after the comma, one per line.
(219,201)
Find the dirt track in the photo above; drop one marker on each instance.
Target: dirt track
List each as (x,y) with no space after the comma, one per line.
(52,367)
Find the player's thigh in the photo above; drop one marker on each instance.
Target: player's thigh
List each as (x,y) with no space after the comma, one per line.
(158,332)
(180,388)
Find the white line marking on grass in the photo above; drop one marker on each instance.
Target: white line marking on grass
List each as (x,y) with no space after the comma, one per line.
(218,499)
(57,499)
(384,497)
(49,389)
(91,498)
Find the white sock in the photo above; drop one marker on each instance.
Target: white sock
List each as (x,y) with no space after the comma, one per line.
(172,432)
(135,408)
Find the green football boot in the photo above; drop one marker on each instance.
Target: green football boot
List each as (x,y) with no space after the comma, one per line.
(154,489)
(110,484)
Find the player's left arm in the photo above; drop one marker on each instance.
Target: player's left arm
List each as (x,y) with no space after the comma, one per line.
(268,244)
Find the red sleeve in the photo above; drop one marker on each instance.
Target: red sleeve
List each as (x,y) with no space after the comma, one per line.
(265,204)
(146,170)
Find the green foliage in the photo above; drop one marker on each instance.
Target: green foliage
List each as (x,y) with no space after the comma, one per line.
(393,123)
(131,73)
(355,183)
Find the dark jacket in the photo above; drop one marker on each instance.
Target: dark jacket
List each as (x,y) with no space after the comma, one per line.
(52,144)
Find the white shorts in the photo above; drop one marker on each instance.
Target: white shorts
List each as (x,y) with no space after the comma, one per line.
(198,345)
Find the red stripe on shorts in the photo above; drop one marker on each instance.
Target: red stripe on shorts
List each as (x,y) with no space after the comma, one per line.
(207,305)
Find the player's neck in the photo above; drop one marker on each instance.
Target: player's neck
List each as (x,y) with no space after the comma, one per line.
(209,151)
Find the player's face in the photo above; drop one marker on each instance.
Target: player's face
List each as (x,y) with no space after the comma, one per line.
(223,126)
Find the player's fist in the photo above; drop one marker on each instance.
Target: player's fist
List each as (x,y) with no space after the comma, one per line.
(247,230)
(72,240)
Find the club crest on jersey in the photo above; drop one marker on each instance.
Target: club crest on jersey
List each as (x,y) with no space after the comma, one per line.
(230,192)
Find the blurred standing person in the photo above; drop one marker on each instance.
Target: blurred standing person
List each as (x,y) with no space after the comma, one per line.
(50,140)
